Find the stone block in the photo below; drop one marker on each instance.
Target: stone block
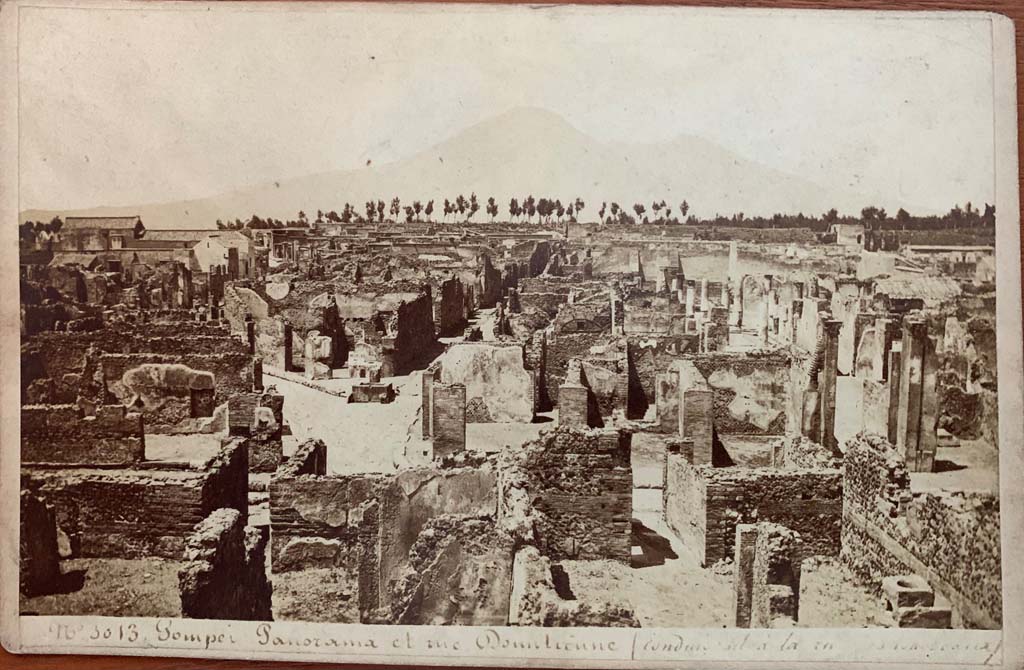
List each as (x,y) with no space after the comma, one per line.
(924,617)
(907,591)
(302,553)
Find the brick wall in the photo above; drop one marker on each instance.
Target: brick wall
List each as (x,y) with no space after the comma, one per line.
(62,434)
(581,483)
(140,513)
(809,501)
(448,415)
(950,539)
(167,408)
(449,307)
(703,505)
(317,520)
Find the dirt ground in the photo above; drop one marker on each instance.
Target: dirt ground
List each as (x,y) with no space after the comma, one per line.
(321,594)
(829,598)
(112,587)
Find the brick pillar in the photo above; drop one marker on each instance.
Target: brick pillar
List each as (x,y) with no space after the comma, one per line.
(908,421)
(233,263)
(287,347)
(691,295)
(573,405)
(743,573)
(827,384)
(426,403)
(250,333)
(449,419)
(257,373)
(695,422)
(704,295)
(895,375)
(915,419)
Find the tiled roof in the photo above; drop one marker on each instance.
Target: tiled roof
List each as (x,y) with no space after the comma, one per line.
(104,222)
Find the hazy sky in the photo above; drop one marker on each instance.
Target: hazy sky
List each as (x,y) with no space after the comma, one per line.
(145,105)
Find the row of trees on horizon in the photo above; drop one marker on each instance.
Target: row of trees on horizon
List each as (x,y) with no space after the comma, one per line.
(548,211)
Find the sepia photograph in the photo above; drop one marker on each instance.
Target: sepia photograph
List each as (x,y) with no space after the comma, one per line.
(508,318)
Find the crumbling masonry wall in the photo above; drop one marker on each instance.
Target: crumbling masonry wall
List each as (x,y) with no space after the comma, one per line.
(39,559)
(225,576)
(949,539)
(63,434)
(498,386)
(534,601)
(750,391)
(704,504)
(460,574)
(580,482)
(139,513)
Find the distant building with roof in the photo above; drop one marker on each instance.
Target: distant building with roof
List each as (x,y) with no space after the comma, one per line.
(98,233)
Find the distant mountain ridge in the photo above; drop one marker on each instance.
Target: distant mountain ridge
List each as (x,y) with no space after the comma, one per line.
(526,151)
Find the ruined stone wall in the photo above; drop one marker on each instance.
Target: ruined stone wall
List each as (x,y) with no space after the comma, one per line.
(638,321)
(140,513)
(775,587)
(800,452)
(560,349)
(607,377)
(270,335)
(450,307)
(685,501)
(161,386)
(411,499)
(750,392)
(321,520)
(59,359)
(581,484)
(38,557)
(415,337)
(499,388)
(224,576)
(534,600)
(461,574)
(950,539)
(544,294)
(808,501)
(590,317)
(63,434)
(704,504)
(651,356)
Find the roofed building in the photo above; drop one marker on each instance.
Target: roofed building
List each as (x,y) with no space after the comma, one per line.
(98,233)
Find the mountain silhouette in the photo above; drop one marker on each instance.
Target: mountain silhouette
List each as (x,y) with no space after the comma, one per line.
(525,151)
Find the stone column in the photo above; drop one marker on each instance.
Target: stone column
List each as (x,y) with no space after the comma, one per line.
(915,436)
(287,347)
(827,385)
(734,263)
(690,298)
(895,363)
(704,295)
